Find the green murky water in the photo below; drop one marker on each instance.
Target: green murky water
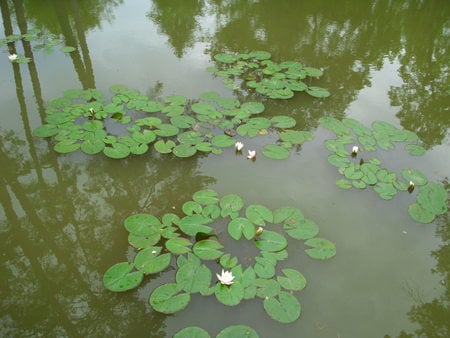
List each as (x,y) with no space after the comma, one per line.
(61,216)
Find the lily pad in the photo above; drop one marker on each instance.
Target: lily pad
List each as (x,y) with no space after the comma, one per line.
(317,92)
(164,147)
(178,246)
(417,212)
(267,287)
(192,332)
(120,277)
(141,224)
(237,331)
(206,196)
(344,184)
(117,151)
(285,309)
(150,261)
(230,295)
(283,121)
(301,229)
(415,149)
(275,152)
(241,226)
(415,176)
(66,146)
(320,248)
(259,214)
(193,277)
(184,150)
(270,241)
(294,280)
(193,224)
(168,298)
(208,249)
(231,204)
(287,214)
(433,197)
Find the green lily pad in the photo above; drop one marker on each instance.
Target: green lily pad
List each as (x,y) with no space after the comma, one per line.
(178,245)
(66,146)
(183,122)
(433,197)
(283,122)
(287,214)
(223,141)
(164,147)
(241,226)
(415,149)
(225,58)
(93,146)
(208,249)
(415,176)
(275,152)
(320,248)
(184,150)
(285,309)
(168,298)
(301,229)
(296,136)
(144,241)
(166,130)
(206,196)
(259,214)
(253,107)
(46,130)
(386,190)
(193,277)
(141,224)
(191,207)
(191,225)
(238,331)
(230,295)
(267,287)
(192,332)
(338,161)
(212,211)
(294,280)
(117,151)
(150,261)
(120,277)
(270,241)
(418,213)
(344,184)
(318,92)
(231,204)
(264,267)
(228,262)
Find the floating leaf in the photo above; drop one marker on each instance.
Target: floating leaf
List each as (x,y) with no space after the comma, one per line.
(141,224)
(208,249)
(288,214)
(178,246)
(225,58)
(285,309)
(93,146)
(192,332)
(46,130)
(415,149)
(231,204)
(275,152)
(317,92)
(227,261)
(433,197)
(120,277)
(386,190)
(164,147)
(241,226)
(150,261)
(144,241)
(184,150)
(168,299)
(301,229)
(417,212)
(259,214)
(414,175)
(193,277)
(294,280)
(296,136)
(344,184)
(320,248)
(229,294)
(237,331)
(270,241)
(117,151)
(206,196)
(67,49)
(191,225)
(223,141)
(191,207)
(267,287)
(66,146)
(283,121)
(338,161)
(253,107)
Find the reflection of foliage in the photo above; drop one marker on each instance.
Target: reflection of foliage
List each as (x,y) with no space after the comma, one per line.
(177,20)
(424,96)
(54,228)
(433,316)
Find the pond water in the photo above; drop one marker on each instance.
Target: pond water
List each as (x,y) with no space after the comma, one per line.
(62,215)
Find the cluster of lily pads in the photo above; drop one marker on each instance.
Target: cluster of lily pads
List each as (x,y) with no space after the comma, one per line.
(42,41)
(84,119)
(361,171)
(257,72)
(197,238)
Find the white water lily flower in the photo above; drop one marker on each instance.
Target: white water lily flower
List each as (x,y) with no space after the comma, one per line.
(12,57)
(251,154)
(226,278)
(355,150)
(238,146)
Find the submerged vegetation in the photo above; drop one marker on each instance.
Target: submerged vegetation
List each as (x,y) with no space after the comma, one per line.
(197,242)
